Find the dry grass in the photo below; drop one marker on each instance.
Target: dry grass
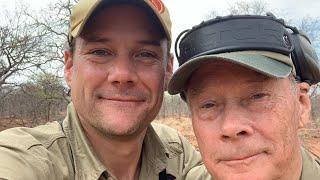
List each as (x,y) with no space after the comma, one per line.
(311,139)
(6,123)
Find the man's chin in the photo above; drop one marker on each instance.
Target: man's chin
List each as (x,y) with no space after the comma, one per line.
(120,128)
(244,175)
(241,176)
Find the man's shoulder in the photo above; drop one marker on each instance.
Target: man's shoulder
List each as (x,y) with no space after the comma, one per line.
(181,152)
(24,138)
(174,142)
(33,152)
(170,137)
(165,132)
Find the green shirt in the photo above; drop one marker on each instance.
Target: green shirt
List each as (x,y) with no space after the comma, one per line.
(50,152)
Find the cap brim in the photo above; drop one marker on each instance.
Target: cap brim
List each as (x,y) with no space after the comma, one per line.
(260,63)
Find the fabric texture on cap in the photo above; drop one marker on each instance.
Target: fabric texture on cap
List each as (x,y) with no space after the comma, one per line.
(83,10)
(268,63)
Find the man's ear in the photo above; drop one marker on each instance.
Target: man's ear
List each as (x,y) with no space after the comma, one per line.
(68,66)
(305,104)
(169,70)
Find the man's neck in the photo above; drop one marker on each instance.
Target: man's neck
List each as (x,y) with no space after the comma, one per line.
(120,157)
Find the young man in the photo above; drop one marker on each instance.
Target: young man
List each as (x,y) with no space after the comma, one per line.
(117,67)
(247,92)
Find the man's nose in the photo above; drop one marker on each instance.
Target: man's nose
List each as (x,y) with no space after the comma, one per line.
(123,72)
(235,123)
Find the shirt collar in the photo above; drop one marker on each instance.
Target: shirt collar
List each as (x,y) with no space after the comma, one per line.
(154,158)
(86,163)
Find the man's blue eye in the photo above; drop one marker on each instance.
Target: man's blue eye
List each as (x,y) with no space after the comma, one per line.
(146,55)
(100,52)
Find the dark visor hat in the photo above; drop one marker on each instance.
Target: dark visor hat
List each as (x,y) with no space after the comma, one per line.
(260,43)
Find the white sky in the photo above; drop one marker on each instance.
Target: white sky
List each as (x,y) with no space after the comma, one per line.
(187,13)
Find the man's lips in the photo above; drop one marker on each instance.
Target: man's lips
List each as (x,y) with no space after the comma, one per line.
(126,99)
(242,159)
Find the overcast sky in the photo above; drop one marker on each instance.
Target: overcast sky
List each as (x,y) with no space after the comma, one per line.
(187,13)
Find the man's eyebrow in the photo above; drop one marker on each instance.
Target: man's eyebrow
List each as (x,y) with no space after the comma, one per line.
(97,39)
(150,42)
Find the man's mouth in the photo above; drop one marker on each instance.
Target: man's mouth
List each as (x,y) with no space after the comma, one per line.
(122,99)
(241,160)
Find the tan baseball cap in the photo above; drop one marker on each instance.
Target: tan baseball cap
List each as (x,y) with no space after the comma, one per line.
(82,11)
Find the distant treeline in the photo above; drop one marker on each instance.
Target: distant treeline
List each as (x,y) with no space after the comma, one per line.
(46,100)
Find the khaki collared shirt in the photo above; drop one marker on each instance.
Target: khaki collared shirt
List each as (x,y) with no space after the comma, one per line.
(50,152)
(310,167)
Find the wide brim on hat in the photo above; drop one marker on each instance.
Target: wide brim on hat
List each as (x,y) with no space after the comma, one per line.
(267,63)
(83,10)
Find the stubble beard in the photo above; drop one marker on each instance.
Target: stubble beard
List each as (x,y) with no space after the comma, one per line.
(100,123)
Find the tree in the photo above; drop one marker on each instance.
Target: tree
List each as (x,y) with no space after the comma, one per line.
(47,88)
(33,41)
(20,49)
(31,59)
(311,26)
(256,7)
(55,21)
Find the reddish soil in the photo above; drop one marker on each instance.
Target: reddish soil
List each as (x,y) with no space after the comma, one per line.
(311,140)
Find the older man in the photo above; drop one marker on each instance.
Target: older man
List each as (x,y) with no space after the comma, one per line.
(117,67)
(244,79)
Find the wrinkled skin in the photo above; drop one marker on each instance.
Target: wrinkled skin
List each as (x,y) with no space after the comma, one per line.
(246,123)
